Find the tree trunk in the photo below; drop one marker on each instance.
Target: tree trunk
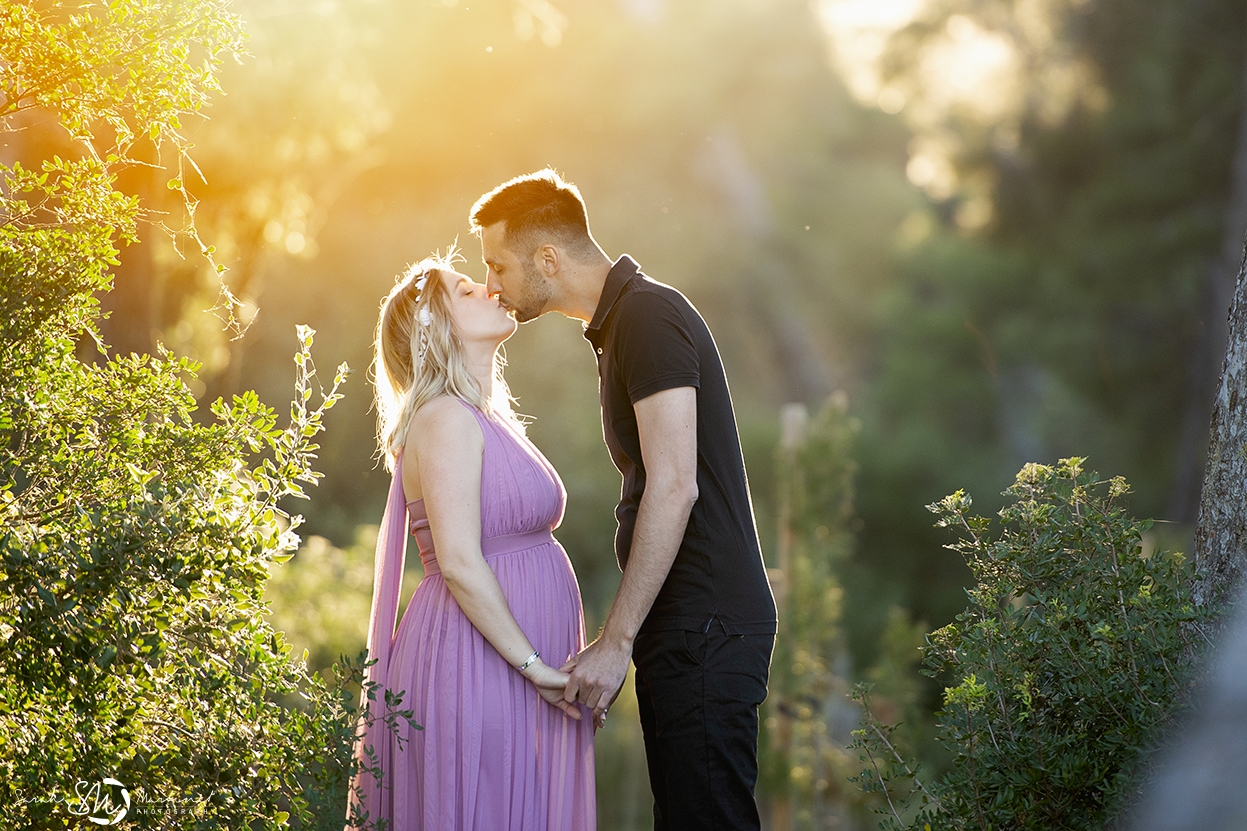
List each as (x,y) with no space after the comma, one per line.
(1221,533)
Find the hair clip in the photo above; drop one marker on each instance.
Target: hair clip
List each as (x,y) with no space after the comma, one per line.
(424,317)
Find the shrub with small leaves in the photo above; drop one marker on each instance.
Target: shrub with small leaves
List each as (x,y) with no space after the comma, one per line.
(135,540)
(1074,650)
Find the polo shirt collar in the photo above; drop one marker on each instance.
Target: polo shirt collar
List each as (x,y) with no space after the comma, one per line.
(624,269)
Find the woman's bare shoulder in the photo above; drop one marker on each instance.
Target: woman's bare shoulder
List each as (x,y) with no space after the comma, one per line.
(444,417)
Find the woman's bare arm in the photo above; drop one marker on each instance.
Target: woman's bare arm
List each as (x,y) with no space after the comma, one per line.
(448,446)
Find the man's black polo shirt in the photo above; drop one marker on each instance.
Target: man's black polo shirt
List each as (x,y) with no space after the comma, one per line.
(649,338)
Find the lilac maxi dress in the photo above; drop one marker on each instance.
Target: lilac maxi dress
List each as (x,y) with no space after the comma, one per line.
(492,755)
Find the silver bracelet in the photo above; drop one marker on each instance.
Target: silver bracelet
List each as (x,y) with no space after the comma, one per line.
(529,662)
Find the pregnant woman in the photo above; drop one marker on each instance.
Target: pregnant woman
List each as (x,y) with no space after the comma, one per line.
(499,607)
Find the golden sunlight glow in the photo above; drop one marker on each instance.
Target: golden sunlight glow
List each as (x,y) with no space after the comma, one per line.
(969,69)
(859,32)
(929,167)
(540,16)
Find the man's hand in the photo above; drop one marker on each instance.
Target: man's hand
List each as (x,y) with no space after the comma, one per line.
(597,675)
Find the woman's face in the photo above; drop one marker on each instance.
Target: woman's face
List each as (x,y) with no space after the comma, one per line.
(478,317)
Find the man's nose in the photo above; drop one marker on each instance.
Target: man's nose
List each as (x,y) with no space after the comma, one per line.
(492,286)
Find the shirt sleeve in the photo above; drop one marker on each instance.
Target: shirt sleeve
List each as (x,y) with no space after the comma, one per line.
(655,349)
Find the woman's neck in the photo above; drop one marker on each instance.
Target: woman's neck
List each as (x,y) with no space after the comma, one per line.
(480,362)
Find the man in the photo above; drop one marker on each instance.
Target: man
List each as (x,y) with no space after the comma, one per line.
(694,610)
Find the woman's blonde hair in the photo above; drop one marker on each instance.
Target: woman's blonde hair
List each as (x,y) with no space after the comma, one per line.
(418,356)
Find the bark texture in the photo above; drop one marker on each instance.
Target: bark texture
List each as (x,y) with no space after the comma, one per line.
(1221,533)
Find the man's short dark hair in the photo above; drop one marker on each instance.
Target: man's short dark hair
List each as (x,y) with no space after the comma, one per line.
(536,208)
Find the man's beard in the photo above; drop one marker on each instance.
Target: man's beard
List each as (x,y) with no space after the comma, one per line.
(533,295)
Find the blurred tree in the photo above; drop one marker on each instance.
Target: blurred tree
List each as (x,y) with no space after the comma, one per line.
(807,716)
(320,599)
(307,113)
(1078,161)
(1201,771)
(1213,335)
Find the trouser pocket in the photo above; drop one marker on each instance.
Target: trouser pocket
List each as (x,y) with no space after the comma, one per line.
(695,647)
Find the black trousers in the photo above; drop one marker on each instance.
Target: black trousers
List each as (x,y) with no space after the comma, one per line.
(698,695)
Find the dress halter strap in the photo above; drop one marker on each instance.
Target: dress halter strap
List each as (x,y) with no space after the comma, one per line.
(387,581)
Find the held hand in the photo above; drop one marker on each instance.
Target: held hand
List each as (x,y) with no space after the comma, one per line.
(599,718)
(550,684)
(597,674)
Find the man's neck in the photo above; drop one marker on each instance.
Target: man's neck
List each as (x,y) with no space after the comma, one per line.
(582,288)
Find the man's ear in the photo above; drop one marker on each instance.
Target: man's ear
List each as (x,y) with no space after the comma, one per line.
(549,259)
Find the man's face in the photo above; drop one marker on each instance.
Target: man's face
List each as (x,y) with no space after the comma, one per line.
(517,283)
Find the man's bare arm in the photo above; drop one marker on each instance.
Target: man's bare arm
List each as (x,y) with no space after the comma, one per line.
(667,427)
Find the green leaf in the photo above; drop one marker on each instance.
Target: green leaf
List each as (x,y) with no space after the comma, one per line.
(105,658)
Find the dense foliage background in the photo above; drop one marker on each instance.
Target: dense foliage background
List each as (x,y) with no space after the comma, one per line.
(995,225)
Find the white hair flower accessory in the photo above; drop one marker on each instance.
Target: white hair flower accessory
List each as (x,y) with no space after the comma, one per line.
(424,317)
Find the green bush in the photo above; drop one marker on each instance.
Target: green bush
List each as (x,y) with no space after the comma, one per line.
(134,547)
(1074,650)
(136,670)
